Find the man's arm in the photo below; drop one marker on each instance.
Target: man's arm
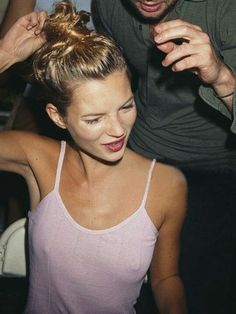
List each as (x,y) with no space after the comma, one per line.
(216,67)
(22,39)
(196,54)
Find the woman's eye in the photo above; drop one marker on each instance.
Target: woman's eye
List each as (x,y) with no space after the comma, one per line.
(127,107)
(93,121)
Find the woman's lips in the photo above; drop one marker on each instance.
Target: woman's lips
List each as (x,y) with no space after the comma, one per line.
(115,146)
(150,7)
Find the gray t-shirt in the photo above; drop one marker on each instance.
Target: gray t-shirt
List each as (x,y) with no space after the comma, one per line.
(174,123)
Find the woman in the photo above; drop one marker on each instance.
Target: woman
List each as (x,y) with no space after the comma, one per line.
(97,207)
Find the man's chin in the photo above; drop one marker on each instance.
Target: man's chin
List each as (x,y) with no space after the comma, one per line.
(149,17)
(145,17)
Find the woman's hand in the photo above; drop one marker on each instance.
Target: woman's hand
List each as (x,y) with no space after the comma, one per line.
(23,38)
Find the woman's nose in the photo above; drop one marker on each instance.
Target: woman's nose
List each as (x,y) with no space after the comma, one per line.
(115,127)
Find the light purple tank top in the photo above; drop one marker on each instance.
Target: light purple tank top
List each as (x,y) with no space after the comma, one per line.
(81,271)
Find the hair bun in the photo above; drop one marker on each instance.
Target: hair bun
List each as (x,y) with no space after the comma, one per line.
(72,54)
(66,23)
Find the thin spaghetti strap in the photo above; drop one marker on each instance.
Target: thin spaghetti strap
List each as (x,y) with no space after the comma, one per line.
(148,183)
(59,164)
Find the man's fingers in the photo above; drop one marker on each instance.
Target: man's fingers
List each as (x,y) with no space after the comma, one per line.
(186,50)
(167,47)
(175,23)
(178,35)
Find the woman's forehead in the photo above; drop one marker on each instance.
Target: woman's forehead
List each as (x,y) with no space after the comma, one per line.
(98,91)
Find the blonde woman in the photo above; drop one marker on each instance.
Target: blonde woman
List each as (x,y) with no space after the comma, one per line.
(101,214)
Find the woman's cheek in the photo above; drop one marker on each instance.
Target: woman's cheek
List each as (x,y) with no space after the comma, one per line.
(90,132)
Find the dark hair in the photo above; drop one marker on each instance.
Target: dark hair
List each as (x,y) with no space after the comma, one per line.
(72,53)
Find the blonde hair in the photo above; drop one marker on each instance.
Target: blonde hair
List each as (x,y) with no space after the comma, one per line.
(73,53)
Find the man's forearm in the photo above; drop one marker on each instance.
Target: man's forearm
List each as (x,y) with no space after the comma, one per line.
(226,86)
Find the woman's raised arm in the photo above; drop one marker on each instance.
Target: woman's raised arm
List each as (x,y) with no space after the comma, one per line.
(22,39)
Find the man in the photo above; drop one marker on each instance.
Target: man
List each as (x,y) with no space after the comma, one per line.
(183,58)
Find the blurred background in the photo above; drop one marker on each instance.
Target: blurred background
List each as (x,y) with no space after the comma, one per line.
(13,290)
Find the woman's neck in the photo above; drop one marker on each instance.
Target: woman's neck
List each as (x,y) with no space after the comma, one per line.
(92,168)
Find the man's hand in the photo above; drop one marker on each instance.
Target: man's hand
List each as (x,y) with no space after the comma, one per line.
(187,47)
(24,37)
(193,50)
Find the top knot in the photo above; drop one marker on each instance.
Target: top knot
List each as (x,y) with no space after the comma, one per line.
(72,54)
(66,23)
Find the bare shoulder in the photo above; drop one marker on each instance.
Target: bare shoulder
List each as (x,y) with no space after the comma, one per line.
(169,176)
(163,175)
(137,161)
(167,194)
(170,184)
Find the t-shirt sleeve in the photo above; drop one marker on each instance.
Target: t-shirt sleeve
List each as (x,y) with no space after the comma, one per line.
(99,12)
(208,95)
(225,34)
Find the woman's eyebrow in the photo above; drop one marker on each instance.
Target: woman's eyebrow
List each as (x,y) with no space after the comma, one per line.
(103,113)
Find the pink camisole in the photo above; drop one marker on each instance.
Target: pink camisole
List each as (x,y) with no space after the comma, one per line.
(75,270)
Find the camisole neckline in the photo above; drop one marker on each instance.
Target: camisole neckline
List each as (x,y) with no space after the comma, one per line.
(77,225)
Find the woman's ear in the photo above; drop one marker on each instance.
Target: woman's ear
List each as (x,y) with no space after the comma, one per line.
(55,116)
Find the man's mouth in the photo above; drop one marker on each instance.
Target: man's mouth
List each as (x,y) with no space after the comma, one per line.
(150,7)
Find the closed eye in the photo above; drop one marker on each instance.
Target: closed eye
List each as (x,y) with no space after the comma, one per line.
(92,121)
(128,106)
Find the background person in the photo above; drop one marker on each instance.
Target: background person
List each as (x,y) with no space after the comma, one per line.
(91,240)
(183,58)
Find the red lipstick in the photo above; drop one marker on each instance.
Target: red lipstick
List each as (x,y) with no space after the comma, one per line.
(115,146)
